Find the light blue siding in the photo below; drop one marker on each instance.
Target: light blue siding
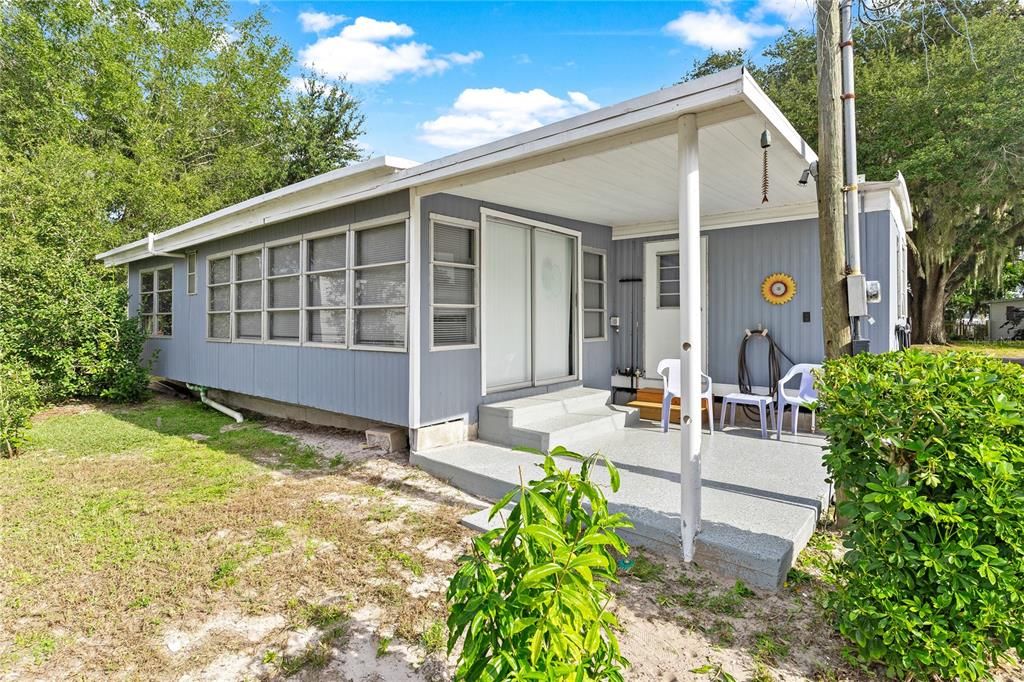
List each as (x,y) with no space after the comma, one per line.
(368,384)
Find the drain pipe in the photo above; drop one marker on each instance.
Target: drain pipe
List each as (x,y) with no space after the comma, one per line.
(151,249)
(201,390)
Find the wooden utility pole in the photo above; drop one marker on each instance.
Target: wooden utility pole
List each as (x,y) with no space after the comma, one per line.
(831,237)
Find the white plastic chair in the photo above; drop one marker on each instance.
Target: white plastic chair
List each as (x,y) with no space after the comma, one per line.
(671,377)
(802,397)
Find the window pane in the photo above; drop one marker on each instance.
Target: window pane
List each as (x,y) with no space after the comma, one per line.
(247,325)
(593,325)
(191,279)
(249,265)
(384,327)
(593,295)
(668,300)
(454,244)
(327,253)
(454,326)
(146,304)
(219,326)
(163,279)
(380,286)
(220,298)
(163,325)
(163,302)
(285,326)
(668,287)
(668,260)
(146,323)
(190,262)
(249,296)
(220,271)
(146,281)
(326,290)
(326,326)
(592,266)
(454,285)
(283,260)
(283,293)
(669,273)
(380,244)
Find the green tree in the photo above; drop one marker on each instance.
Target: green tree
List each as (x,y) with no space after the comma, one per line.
(123,117)
(938,98)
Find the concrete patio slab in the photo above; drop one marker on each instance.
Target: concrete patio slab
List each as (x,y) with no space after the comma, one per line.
(760,499)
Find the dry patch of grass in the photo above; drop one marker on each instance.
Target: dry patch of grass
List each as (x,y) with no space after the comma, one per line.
(999,349)
(160,541)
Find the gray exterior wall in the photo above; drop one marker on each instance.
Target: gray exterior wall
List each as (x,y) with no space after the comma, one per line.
(450,379)
(998,327)
(738,261)
(370,384)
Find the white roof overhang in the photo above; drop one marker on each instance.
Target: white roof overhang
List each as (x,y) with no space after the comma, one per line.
(613,166)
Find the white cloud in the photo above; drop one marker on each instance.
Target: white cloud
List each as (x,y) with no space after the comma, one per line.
(793,12)
(467,58)
(718,30)
(371,30)
(365,51)
(318,22)
(481,115)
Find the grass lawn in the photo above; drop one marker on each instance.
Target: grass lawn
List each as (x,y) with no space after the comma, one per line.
(1002,349)
(126,544)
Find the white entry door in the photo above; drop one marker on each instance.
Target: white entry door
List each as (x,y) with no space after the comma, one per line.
(530,300)
(662,302)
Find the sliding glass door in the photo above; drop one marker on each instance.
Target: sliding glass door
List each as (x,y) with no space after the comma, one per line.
(530,305)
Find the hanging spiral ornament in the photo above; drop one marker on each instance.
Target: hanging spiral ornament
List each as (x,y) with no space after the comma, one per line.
(766,141)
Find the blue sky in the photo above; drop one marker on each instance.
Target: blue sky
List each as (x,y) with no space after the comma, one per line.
(437,77)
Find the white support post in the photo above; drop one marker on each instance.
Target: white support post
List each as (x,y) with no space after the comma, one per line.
(413,289)
(690,421)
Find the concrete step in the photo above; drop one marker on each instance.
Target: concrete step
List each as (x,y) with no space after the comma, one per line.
(559,418)
(752,537)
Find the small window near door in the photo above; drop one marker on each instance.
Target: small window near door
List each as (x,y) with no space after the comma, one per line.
(454,305)
(190,272)
(594,298)
(668,280)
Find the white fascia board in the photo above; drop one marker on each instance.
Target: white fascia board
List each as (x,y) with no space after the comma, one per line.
(887,195)
(765,107)
(263,209)
(719,221)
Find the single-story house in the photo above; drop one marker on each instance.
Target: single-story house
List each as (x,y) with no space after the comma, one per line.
(1006,319)
(411,294)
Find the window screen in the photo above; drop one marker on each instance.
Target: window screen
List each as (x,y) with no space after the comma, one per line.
(156,301)
(283,292)
(249,295)
(327,289)
(379,287)
(668,280)
(594,282)
(218,299)
(454,274)
(190,272)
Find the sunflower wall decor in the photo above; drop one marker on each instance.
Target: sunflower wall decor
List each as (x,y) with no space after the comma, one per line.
(778,288)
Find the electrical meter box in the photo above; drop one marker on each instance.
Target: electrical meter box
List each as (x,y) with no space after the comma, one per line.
(874,291)
(856,291)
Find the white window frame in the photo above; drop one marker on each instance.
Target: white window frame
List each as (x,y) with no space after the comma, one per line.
(191,273)
(658,292)
(306,272)
(604,295)
(267,278)
(303,240)
(151,325)
(353,269)
(262,310)
(474,226)
(231,296)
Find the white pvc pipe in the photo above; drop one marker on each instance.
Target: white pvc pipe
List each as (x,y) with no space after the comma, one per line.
(223,409)
(689,332)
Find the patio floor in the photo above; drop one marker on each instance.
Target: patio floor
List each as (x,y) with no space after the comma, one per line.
(760,502)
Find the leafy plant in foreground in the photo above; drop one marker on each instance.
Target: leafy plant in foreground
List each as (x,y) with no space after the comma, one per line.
(928,450)
(18,395)
(532,597)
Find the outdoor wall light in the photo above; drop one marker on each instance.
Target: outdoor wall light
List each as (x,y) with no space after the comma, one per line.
(810,172)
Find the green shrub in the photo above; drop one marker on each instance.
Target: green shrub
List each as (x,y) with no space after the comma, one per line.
(928,453)
(532,597)
(18,393)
